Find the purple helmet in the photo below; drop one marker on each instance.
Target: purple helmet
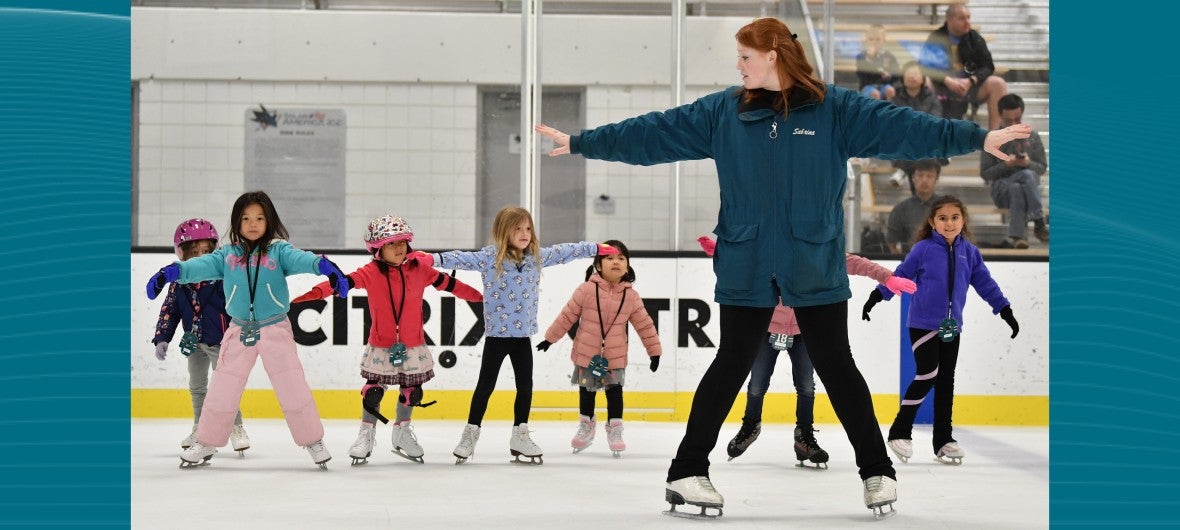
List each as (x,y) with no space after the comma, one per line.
(194,230)
(386,229)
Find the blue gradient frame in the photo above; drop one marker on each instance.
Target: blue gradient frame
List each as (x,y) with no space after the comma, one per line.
(64,235)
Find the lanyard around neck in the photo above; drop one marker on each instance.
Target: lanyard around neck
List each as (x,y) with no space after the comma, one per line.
(253,285)
(601,325)
(397,313)
(950,278)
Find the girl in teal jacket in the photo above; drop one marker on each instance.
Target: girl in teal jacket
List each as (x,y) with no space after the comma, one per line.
(780,143)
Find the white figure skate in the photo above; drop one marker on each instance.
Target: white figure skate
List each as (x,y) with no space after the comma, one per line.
(951,454)
(239,439)
(189,440)
(522,444)
(881,493)
(466,446)
(405,444)
(614,436)
(362,448)
(903,448)
(196,455)
(695,491)
(585,435)
(319,453)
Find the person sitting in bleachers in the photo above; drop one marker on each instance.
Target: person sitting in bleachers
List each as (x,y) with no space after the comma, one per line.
(959,65)
(876,67)
(914,94)
(909,215)
(1016,183)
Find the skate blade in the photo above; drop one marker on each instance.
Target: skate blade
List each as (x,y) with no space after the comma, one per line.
(532,460)
(618,454)
(402,454)
(949,460)
(577,450)
(880,512)
(185,464)
(704,515)
(360,461)
(818,466)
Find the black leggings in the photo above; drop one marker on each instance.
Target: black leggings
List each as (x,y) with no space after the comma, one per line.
(520,352)
(825,332)
(614,402)
(934,362)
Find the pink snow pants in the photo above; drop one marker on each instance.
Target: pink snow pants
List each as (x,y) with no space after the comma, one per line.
(281,361)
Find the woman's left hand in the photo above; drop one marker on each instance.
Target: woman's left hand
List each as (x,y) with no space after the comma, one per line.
(562,140)
(997,138)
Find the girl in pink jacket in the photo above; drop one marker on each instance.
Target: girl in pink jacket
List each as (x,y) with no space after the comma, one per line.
(784,335)
(602,307)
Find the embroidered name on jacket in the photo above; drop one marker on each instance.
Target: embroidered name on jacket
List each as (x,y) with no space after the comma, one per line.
(807,132)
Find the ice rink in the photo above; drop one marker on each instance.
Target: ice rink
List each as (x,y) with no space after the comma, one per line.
(1003,482)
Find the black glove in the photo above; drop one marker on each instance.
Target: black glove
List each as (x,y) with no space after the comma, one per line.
(1006,314)
(655,363)
(544,345)
(874,297)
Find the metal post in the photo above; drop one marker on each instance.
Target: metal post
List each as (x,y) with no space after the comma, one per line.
(678,43)
(530,105)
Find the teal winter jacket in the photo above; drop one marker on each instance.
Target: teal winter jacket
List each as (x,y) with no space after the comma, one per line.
(782,178)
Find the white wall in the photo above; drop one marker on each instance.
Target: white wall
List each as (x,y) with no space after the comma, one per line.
(989,362)
(408,83)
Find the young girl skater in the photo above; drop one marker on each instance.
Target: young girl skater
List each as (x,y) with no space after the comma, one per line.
(784,335)
(511,271)
(397,352)
(200,309)
(254,268)
(935,320)
(603,306)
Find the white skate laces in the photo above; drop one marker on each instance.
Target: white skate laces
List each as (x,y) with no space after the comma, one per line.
(362,448)
(880,493)
(467,442)
(903,448)
(585,435)
(405,443)
(695,491)
(238,439)
(319,453)
(521,444)
(189,440)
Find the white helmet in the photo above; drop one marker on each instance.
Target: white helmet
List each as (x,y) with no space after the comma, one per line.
(386,229)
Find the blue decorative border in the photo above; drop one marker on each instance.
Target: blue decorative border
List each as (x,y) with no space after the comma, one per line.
(64,235)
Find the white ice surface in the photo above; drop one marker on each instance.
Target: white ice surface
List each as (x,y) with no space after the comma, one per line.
(1003,482)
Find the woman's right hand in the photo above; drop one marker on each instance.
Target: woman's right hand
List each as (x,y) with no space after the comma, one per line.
(562,140)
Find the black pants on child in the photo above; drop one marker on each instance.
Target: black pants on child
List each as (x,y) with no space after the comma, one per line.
(934,362)
(519,351)
(614,402)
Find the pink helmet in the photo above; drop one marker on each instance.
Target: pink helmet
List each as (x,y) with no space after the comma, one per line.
(386,229)
(194,230)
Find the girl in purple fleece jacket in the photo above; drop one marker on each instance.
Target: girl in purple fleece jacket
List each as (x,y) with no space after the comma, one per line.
(935,320)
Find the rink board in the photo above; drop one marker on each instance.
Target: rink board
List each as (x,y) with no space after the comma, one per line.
(998,381)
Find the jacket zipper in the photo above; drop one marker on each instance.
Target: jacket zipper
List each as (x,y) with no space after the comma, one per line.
(232,291)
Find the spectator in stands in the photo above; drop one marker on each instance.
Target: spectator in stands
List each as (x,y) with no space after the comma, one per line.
(959,65)
(876,67)
(910,214)
(914,94)
(1016,183)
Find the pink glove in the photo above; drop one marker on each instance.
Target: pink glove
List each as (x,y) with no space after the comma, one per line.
(898,284)
(161,350)
(606,250)
(423,259)
(707,244)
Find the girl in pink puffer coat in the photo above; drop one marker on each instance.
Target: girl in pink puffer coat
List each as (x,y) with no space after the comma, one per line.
(602,307)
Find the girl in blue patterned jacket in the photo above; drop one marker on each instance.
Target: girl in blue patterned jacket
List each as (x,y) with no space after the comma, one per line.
(511,270)
(254,269)
(935,320)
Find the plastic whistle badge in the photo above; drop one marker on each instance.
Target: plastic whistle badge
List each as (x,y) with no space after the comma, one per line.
(599,366)
(781,341)
(397,354)
(188,343)
(250,332)
(948,329)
